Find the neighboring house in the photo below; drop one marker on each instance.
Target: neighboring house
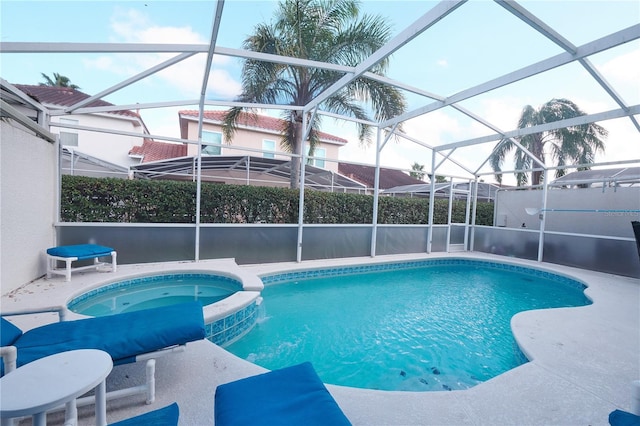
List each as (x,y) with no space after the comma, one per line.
(255,132)
(151,150)
(108,147)
(389,178)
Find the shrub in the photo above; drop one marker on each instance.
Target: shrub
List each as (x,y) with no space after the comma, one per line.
(85,199)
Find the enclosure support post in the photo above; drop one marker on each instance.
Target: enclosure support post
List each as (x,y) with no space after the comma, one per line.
(473,215)
(303,162)
(467,213)
(543,216)
(432,196)
(376,194)
(449,213)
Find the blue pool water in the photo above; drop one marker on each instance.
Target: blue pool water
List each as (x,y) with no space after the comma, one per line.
(431,328)
(153,291)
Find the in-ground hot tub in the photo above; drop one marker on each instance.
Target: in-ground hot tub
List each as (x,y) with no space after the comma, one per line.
(229,303)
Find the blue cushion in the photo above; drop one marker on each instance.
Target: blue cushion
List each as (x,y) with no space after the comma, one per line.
(167,416)
(9,333)
(622,418)
(290,396)
(123,336)
(81,251)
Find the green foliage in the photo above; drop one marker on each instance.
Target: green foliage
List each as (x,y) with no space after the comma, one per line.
(87,199)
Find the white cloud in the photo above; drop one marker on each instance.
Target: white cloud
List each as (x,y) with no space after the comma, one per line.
(131,26)
(442,63)
(625,68)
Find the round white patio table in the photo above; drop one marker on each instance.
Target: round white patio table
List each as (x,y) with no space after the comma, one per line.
(58,379)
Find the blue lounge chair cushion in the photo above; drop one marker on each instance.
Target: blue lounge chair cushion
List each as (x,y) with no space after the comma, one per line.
(123,336)
(622,418)
(81,251)
(167,416)
(9,333)
(290,396)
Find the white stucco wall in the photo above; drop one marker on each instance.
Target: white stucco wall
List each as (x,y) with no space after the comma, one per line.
(511,205)
(106,146)
(27,205)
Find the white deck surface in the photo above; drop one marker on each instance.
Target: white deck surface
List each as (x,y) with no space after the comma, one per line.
(583,360)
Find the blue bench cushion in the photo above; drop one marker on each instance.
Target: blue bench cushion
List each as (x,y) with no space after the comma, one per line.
(167,416)
(81,251)
(9,333)
(123,336)
(290,396)
(622,418)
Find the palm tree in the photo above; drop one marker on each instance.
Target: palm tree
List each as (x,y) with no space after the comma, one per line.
(321,30)
(58,81)
(571,145)
(417,171)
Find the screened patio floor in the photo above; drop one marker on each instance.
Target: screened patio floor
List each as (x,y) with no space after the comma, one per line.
(583,361)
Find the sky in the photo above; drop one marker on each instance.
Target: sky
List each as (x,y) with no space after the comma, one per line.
(477,42)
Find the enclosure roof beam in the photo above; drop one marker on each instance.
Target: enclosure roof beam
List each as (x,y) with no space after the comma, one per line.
(576,121)
(565,44)
(426,145)
(186,102)
(495,129)
(6,110)
(129,81)
(429,19)
(612,40)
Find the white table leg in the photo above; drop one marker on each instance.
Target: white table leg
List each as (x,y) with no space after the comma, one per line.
(101,404)
(71,413)
(40,419)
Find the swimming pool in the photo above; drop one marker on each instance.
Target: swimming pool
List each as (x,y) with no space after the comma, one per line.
(153,291)
(417,326)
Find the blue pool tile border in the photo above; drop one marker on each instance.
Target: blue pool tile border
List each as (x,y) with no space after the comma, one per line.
(151,278)
(360,269)
(228,329)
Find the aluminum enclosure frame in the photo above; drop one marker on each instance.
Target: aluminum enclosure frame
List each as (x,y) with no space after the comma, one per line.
(440,12)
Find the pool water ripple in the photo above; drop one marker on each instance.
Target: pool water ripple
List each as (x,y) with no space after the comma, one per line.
(431,328)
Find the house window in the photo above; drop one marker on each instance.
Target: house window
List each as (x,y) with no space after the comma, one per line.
(320,154)
(213,137)
(268,145)
(68,137)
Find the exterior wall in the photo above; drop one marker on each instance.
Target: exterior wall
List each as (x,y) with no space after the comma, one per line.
(510,206)
(106,146)
(252,139)
(28,179)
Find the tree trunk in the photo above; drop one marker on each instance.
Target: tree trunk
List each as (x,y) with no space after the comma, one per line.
(297,149)
(537,151)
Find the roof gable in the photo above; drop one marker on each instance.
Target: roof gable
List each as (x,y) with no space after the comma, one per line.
(66,97)
(255,121)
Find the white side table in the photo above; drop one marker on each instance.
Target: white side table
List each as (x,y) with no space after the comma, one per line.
(58,379)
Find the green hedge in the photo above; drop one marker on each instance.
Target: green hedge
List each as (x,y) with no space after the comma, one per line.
(87,199)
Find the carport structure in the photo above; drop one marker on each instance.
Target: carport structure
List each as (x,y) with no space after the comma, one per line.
(560,57)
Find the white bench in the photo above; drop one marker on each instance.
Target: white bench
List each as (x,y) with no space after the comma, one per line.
(69,254)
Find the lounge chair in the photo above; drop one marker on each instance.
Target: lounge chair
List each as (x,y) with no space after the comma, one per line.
(623,418)
(70,254)
(290,396)
(166,416)
(127,338)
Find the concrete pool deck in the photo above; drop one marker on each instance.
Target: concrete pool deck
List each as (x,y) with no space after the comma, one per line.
(583,360)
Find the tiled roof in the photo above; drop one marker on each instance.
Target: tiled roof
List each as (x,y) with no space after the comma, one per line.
(155,151)
(65,97)
(366,175)
(264,122)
